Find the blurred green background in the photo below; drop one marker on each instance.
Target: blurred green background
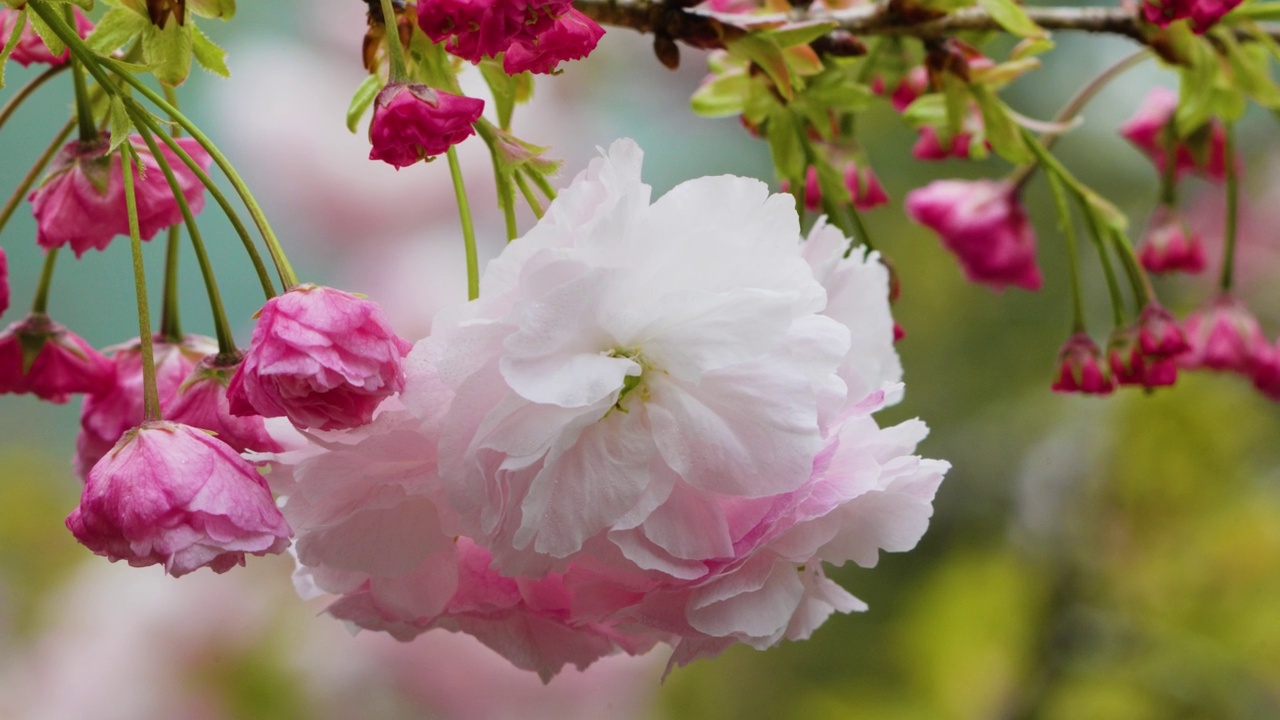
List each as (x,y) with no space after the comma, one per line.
(1114,558)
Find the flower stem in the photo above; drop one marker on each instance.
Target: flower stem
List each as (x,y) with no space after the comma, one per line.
(26,91)
(1138,279)
(150,397)
(1108,269)
(391,35)
(468,231)
(170,323)
(222,328)
(529,197)
(1073,252)
(543,185)
(1233,211)
(40,305)
(34,173)
(84,113)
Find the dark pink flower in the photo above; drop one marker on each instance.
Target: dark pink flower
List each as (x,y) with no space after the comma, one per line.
(864,187)
(173,495)
(322,357)
(1267,375)
(412,122)
(1224,335)
(929,147)
(108,414)
(39,356)
(912,85)
(1170,244)
(1203,14)
(201,402)
(476,29)
(82,201)
(1146,353)
(571,37)
(1159,335)
(812,192)
(1151,131)
(30,48)
(983,223)
(1080,368)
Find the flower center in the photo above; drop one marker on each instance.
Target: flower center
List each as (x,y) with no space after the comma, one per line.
(631,382)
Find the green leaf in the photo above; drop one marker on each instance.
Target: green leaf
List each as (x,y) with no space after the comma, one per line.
(46,33)
(221,9)
(955,93)
(723,97)
(786,145)
(1030,47)
(1012,17)
(1000,75)
(12,42)
(169,51)
(116,29)
(927,109)
(1001,131)
(763,51)
(361,101)
(799,33)
(208,54)
(503,87)
(121,123)
(1252,70)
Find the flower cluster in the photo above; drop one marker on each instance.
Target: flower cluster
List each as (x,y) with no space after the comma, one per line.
(654,426)
(532,35)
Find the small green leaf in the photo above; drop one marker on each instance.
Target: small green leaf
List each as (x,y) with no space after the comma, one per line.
(12,42)
(221,9)
(763,51)
(121,123)
(169,50)
(503,87)
(1012,17)
(46,33)
(955,93)
(361,101)
(1251,68)
(1000,75)
(799,33)
(1001,131)
(928,109)
(116,29)
(1031,47)
(723,97)
(786,145)
(208,54)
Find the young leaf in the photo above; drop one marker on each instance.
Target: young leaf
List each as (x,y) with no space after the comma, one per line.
(116,29)
(121,123)
(503,87)
(361,101)
(12,42)
(209,55)
(722,97)
(169,50)
(1001,131)
(221,9)
(764,52)
(786,145)
(1012,17)
(50,38)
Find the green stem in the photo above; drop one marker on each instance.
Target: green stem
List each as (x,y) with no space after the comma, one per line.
(395,52)
(502,181)
(1108,269)
(40,305)
(26,91)
(1138,279)
(529,197)
(1169,177)
(150,397)
(142,117)
(1233,207)
(94,63)
(170,323)
(1073,252)
(222,328)
(84,113)
(34,173)
(543,185)
(468,231)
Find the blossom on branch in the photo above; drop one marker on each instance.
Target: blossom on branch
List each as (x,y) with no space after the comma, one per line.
(412,122)
(1152,130)
(1081,368)
(1225,335)
(535,34)
(40,356)
(1170,244)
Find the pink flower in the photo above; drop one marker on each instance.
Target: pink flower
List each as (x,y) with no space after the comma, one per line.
(411,122)
(39,356)
(30,48)
(1267,375)
(929,147)
(1203,14)
(1147,352)
(109,413)
(322,357)
(4,282)
(983,223)
(1080,368)
(912,85)
(812,192)
(1170,244)
(571,37)
(1159,335)
(864,187)
(476,29)
(82,201)
(1151,131)
(201,402)
(1224,335)
(168,493)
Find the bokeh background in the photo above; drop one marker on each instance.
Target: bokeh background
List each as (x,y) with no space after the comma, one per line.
(1087,559)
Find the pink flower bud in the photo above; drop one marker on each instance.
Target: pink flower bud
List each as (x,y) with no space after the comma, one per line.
(929,147)
(1159,335)
(864,187)
(30,48)
(1151,131)
(322,357)
(108,414)
(983,223)
(201,402)
(476,29)
(1224,335)
(82,201)
(1267,375)
(572,37)
(1204,14)
(39,356)
(912,85)
(1080,368)
(1146,353)
(168,493)
(412,122)
(1170,245)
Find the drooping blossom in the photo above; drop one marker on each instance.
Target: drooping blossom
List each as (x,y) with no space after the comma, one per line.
(476,29)
(1266,376)
(1081,368)
(572,36)
(40,356)
(412,122)
(118,407)
(173,495)
(864,187)
(929,145)
(1146,353)
(1225,335)
(1170,245)
(321,357)
(82,200)
(1203,14)
(30,48)
(983,223)
(201,402)
(1151,130)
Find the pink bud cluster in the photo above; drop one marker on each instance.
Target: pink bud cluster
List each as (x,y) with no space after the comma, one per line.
(1203,14)
(532,35)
